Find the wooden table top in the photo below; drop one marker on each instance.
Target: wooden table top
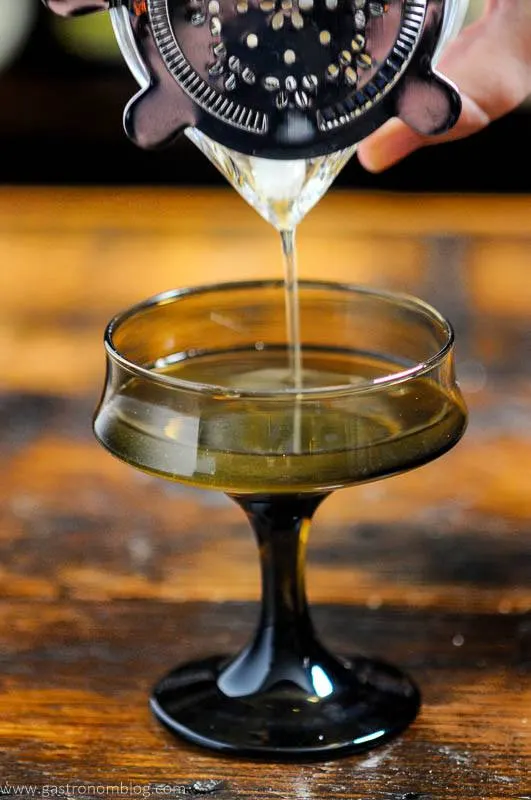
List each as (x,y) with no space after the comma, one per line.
(110,577)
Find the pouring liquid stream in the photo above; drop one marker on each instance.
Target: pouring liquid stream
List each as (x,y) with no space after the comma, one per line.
(293,327)
(291,288)
(282,192)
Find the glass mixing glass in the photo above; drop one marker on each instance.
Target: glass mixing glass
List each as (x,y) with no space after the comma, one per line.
(198,392)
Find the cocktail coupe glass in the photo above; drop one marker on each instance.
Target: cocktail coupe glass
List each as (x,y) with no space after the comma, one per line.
(198,391)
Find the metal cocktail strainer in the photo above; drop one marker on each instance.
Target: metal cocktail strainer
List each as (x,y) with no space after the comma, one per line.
(280,78)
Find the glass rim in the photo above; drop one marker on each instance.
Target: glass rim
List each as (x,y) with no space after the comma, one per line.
(415,304)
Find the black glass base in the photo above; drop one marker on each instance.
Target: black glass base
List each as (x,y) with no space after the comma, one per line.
(373,703)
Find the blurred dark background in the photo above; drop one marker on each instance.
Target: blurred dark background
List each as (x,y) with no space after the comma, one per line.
(63,87)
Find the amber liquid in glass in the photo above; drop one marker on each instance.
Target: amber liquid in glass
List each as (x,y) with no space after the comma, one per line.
(248,446)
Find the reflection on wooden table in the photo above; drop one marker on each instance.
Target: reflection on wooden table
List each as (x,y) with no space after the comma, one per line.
(109,577)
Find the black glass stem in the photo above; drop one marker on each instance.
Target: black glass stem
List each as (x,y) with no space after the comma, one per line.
(284,649)
(285,695)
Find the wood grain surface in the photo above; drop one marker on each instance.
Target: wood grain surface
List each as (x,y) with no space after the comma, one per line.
(110,577)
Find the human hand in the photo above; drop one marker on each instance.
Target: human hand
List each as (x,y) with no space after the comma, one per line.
(490,62)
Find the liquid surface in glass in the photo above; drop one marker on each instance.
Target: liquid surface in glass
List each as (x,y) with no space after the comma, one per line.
(248,445)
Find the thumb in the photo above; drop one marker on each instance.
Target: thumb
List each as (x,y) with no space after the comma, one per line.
(489,62)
